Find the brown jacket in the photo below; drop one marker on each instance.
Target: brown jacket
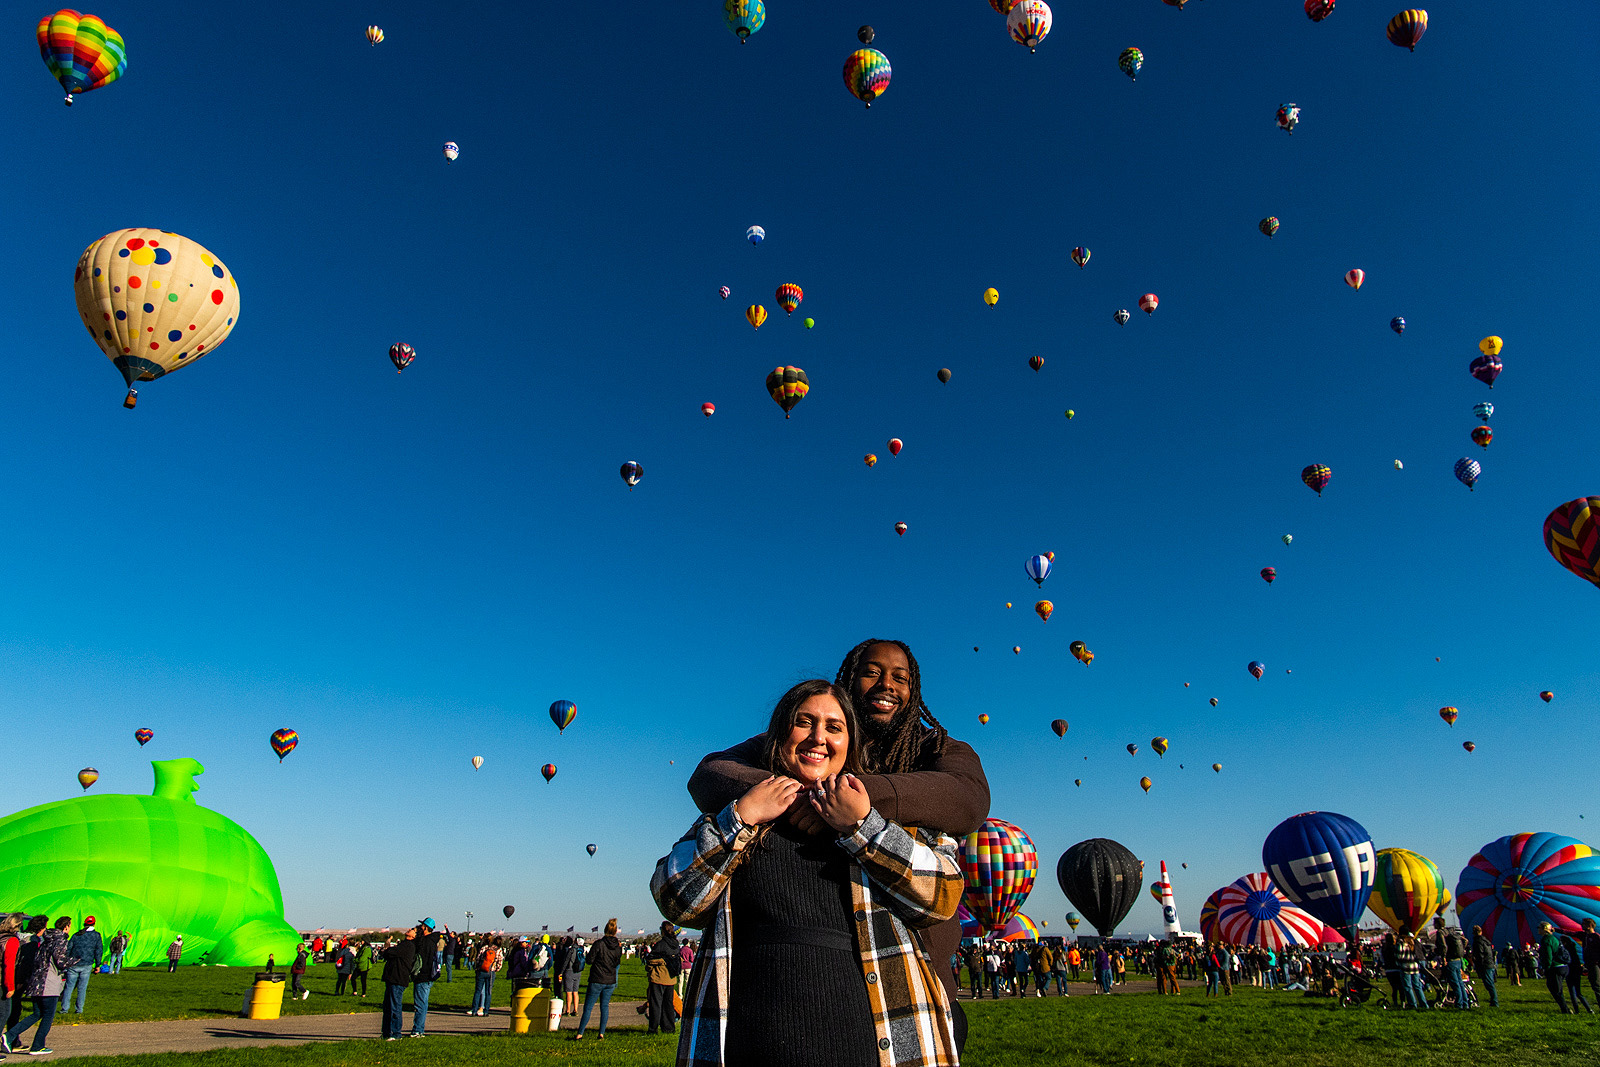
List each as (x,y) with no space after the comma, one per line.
(949,792)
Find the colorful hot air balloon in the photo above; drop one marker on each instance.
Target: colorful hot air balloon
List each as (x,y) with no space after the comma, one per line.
(1491,345)
(1217,767)
(1354,277)
(591,849)
(1029,23)
(283,742)
(632,471)
(870,460)
(1081,653)
(1129,63)
(789,296)
(1317,10)
(451,151)
(1102,880)
(562,712)
(744,17)
(1517,882)
(1483,410)
(1159,746)
(1269,574)
(1407,28)
(1571,537)
(866,74)
(477,763)
(708,409)
(999,863)
(900,529)
(788,386)
(1289,117)
(1059,726)
(1044,609)
(1467,471)
(1316,477)
(1251,911)
(1288,539)
(1133,750)
(983,720)
(143,736)
(1148,303)
(1213,701)
(865,34)
(1486,369)
(895,445)
(1268,225)
(401,355)
(548,770)
(1036,362)
(1407,890)
(755,235)
(1482,435)
(1547,696)
(1155,891)
(724,292)
(154,302)
(1175,3)
(1069,413)
(1257,669)
(1020,928)
(943,375)
(1016,650)
(1322,862)
(755,315)
(1397,324)
(1469,746)
(1080,256)
(374,35)
(991,296)
(87,777)
(81,51)
(1145,784)
(1072,919)
(1448,715)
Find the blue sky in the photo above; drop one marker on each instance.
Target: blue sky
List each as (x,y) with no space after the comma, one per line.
(409,569)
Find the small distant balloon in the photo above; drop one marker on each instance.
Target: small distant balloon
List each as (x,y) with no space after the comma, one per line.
(1059,726)
(1070,414)
(1469,746)
(1547,696)
(1354,278)
(1130,62)
(283,742)
(983,720)
(631,472)
(870,460)
(1217,767)
(944,374)
(1148,303)
(1397,324)
(1481,436)
(87,777)
(1486,369)
(1269,225)
(562,712)
(787,386)
(895,445)
(1213,701)
(1257,669)
(1448,715)
(374,35)
(708,409)
(591,849)
(548,770)
(866,74)
(1133,750)
(1159,746)
(143,736)
(1316,477)
(1122,316)
(508,911)
(755,235)
(1036,362)
(1467,471)
(1029,23)
(451,151)
(1044,609)
(755,315)
(1407,28)
(1269,574)
(1399,466)
(1080,256)
(1288,118)
(900,528)
(1317,10)
(991,296)
(865,35)
(788,295)
(1078,782)
(1081,653)
(401,355)
(1288,539)
(1483,410)
(1491,345)
(1145,784)
(724,292)
(809,323)
(477,762)
(744,17)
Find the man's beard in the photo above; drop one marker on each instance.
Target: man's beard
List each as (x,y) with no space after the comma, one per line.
(880,733)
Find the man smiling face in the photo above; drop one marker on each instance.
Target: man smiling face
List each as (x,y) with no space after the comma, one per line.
(882,689)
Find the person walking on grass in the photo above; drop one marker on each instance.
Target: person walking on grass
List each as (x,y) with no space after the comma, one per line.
(174,953)
(10,949)
(484,967)
(1554,959)
(400,963)
(45,966)
(1483,955)
(297,974)
(1022,968)
(1451,944)
(604,959)
(84,953)
(1574,976)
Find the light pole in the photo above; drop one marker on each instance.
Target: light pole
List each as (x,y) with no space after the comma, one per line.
(469,922)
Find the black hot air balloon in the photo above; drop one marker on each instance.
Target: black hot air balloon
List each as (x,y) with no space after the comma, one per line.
(1102,879)
(865,35)
(508,910)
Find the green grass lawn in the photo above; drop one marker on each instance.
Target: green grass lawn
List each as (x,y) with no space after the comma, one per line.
(216,992)
(1254,1028)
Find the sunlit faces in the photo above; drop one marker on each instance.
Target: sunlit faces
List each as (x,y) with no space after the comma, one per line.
(882,684)
(818,742)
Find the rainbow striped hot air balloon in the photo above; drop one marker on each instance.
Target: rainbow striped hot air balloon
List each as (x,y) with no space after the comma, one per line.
(1407,28)
(789,296)
(1080,256)
(1020,928)
(1407,890)
(788,386)
(866,74)
(1519,881)
(999,863)
(374,35)
(283,742)
(81,51)
(1252,911)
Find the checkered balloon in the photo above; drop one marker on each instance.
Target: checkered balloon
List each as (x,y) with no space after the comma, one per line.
(999,863)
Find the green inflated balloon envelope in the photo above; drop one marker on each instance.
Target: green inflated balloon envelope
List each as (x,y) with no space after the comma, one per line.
(154,866)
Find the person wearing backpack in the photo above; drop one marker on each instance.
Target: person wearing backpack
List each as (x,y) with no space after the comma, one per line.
(1554,958)
(484,966)
(429,965)
(1575,960)
(1451,943)
(573,975)
(84,953)
(662,965)
(297,974)
(400,963)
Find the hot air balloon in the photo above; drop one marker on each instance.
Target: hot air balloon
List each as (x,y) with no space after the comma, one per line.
(401,355)
(1029,23)
(1159,745)
(283,742)
(865,35)
(1486,369)
(866,74)
(1133,750)
(1129,63)
(744,17)
(1175,3)
(1483,410)
(1148,302)
(1269,574)
(451,151)
(548,770)
(1016,650)
(1268,225)
(724,292)
(1407,28)
(1080,256)
(1571,537)
(1397,324)
(143,736)
(1059,726)
(788,386)
(591,849)
(1448,715)
(508,911)
(708,409)
(1077,782)
(1323,862)
(1213,701)
(477,763)
(895,445)
(1072,919)
(1491,345)
(1217,767)
(991,296)
(1517,882)
(943,375)
(1145,783)
(1354,277)
(1547,696)
(983,720)
(87,777)
(808,323)
(1257,669)
(154,302)
(1482,435)
(1317,10)
(562,712)
(1155,891)
(1043,609)
(1399,466)
(870,460)
(1467,471)
(1469,746)
(1081,653)
(1036,362)
(999,863)
(632,471)
(1289,117)
(1122,316)
(1316,477)
(81,51)
(374,35)
(900,529)
(789,296)
(1102,879)
(1251,911)
(755,235)
(1069,413)
(1038,568)
(755,315)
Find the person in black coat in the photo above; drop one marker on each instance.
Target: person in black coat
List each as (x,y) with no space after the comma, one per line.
(399,965)
(663,965)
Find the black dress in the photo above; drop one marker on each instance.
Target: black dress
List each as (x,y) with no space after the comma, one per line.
(796,994)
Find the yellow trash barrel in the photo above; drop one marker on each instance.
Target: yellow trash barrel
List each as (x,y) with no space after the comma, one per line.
(522,999)
(266,996)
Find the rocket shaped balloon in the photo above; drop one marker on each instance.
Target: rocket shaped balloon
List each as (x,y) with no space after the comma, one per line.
(1169,908)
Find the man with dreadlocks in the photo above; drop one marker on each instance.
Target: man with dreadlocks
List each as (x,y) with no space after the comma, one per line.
(921,775)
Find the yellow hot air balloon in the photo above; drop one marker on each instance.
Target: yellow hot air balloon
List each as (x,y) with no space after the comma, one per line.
(870,460)
(1145,784)
(991,296)
(1407,889)
(154,302)
(1044,608)
(755,314)
(88,776)
(983,720)
(1491,346)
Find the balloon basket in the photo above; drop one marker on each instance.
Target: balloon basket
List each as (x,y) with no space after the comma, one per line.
(131,399)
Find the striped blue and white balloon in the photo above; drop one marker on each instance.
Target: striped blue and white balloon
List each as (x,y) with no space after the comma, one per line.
(755,235)
(1038,568)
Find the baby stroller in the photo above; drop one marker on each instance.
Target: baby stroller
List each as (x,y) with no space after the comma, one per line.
(1441,991)
(1357,989)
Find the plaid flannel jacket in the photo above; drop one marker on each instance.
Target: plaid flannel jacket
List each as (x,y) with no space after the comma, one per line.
(901,878)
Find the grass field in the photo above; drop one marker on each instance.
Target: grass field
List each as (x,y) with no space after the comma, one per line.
(1252,1029)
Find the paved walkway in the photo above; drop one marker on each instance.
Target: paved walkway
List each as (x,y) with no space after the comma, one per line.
(199,1035)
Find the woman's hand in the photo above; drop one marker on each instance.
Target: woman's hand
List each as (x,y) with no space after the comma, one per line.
(842,802)
(766,800)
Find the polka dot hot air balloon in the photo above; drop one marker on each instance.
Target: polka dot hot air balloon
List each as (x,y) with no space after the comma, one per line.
(1407,28)
(1517,882)
(1571,536)
(866,74)
(1251,911)
(81,51)
(999,863)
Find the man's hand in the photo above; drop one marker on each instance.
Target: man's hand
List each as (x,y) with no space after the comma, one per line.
(842,802)
(766,800)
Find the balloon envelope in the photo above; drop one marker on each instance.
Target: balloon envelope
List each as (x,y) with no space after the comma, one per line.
(1148,303)
(1397,324)
(1020,928)
(88,776)
(477,762)
(788,386)
(755,235)
(1322,862)
(1038,568)
(1269,574)
(866,74)
(1059,726)
(1102,879)
(508,911)
(1257,669)
(1486,369)
(1044,609)
(562,712)
(81,51)
(1517,882)
(283,742)
(548,770)
(1571,536)
(1407,28)
(991,296)
(999,863)
(143,736)
(1408,890)
(1251,911)
(744,17)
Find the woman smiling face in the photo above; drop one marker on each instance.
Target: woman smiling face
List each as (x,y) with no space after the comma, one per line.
(818,741)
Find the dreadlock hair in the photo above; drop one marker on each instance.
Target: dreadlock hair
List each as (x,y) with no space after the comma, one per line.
(904,740)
